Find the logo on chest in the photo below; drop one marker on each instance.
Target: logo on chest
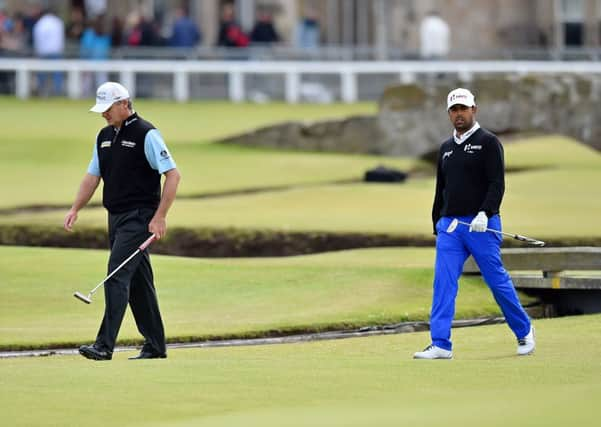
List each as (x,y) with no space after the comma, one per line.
(471,149)
(128,144)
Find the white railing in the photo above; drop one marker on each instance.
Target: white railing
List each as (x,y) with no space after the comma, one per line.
(292,72)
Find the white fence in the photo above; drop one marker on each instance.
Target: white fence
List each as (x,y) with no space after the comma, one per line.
(348,73)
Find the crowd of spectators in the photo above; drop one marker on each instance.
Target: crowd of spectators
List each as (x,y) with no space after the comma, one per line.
(16,30)
(88,33)
(92,35)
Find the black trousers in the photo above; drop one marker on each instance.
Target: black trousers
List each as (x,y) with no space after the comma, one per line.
(133,284)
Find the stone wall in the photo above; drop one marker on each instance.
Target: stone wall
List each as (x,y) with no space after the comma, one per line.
(412,118)
(358,134)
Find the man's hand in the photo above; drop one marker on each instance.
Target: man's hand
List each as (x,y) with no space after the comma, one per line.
(86,190)
(70,219)
(479,223)
(158,226)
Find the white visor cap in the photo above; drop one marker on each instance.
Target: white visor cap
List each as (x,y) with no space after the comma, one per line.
(460,96)
(107,94)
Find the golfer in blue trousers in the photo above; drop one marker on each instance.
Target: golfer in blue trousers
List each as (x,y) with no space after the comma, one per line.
(470,183)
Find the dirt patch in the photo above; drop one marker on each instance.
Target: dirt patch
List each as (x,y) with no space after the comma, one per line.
(216,243)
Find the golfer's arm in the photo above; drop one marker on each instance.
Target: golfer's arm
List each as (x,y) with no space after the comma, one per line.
(172,178)
(437,205)
(88,186)
(495,175)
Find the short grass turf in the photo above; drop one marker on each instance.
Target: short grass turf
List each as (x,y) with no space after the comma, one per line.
(205,168)
(354,382)
(182,123)
(209,298)
(557,198)
(43,162)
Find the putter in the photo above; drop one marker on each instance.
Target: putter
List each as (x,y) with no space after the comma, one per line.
(453,225)
(88,299)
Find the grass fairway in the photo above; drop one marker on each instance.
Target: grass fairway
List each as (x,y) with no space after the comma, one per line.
(355,382)
(206,168)
(545,204)
(57,149)
(203,298)
(181,123)
(559,199)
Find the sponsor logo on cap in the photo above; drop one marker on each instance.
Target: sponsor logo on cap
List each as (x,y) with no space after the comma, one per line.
(457,96)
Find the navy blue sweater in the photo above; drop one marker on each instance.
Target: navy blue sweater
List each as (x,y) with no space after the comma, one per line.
(470,177)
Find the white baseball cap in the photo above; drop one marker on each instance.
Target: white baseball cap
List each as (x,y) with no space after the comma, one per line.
(107,94)
(460,96)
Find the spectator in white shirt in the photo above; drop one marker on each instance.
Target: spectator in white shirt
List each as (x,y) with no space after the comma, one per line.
(434,37)
(49,43)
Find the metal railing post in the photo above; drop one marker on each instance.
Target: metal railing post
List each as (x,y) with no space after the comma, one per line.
(22,83)
(74,83)
(181,86)
(348,81)
(236,86)
(292,87)
(128,79)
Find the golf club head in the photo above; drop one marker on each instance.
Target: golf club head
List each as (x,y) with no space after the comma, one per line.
(82,297)
(453,225)
(529,240)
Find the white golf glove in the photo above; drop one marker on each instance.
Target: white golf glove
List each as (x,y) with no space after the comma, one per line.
(479,223)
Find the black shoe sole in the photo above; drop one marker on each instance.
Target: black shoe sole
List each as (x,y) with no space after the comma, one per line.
(92,356)
(162,356)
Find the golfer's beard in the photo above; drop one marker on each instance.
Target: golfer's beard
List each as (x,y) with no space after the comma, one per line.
(463,127)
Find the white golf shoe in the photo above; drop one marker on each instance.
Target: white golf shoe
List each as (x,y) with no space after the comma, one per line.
(526,345)
(433,352)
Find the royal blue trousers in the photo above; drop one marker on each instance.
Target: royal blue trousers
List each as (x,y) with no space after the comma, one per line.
(452,250)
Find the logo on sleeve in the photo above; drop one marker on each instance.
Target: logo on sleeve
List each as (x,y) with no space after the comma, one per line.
(105,144)
(164,154)
(471,149)
(446,155)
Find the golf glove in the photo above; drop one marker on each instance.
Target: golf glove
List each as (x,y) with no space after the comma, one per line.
(479,223)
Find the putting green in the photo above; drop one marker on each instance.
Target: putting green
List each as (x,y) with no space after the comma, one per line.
(204,298)
(354,382)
